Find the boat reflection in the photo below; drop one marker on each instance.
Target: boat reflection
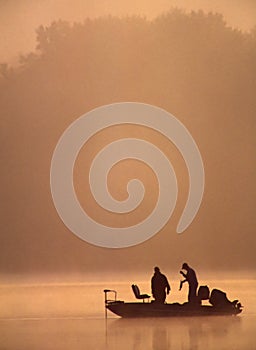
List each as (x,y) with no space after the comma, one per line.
(194,333)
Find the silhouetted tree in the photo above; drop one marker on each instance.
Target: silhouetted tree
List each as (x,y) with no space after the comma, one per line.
(193,65)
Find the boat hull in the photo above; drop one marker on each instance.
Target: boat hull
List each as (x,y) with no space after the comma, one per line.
(128,310)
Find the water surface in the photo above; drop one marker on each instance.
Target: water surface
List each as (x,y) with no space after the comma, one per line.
(72,316)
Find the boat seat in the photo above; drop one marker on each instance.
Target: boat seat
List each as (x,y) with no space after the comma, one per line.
(137,294)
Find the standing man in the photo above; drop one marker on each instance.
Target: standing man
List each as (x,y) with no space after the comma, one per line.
(191,278)
(159,286)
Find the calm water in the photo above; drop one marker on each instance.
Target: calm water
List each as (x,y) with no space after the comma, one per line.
(71,316)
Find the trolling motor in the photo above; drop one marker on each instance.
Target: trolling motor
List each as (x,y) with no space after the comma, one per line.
(108,301)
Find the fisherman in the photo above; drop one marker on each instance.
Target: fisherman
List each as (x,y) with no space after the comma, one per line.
(191,278)
(159,286)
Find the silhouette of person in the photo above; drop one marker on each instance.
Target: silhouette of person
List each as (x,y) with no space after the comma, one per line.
(159,286)
(191,278)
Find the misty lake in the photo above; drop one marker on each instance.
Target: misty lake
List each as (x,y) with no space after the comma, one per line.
(72,316)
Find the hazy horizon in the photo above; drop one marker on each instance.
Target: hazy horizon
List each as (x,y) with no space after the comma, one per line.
(190,64)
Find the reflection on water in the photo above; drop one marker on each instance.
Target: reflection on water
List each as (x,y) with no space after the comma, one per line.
(152,334)
(177,333)
(72,317)
(160,338)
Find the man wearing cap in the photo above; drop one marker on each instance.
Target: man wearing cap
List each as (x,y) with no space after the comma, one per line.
(159,286)
(191,278)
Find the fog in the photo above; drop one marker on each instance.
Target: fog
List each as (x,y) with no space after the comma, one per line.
(191,64)
(72,316)
(19,19)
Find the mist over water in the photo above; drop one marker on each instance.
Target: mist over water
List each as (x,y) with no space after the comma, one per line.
(72,316)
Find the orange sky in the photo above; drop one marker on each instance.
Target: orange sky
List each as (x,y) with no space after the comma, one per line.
(19,19)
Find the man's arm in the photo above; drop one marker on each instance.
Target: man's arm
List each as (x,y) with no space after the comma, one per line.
(168,288)
(185,280)
(152,287)
(181,284)
(183,274)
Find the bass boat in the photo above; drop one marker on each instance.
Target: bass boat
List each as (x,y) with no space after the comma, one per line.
(219,305)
